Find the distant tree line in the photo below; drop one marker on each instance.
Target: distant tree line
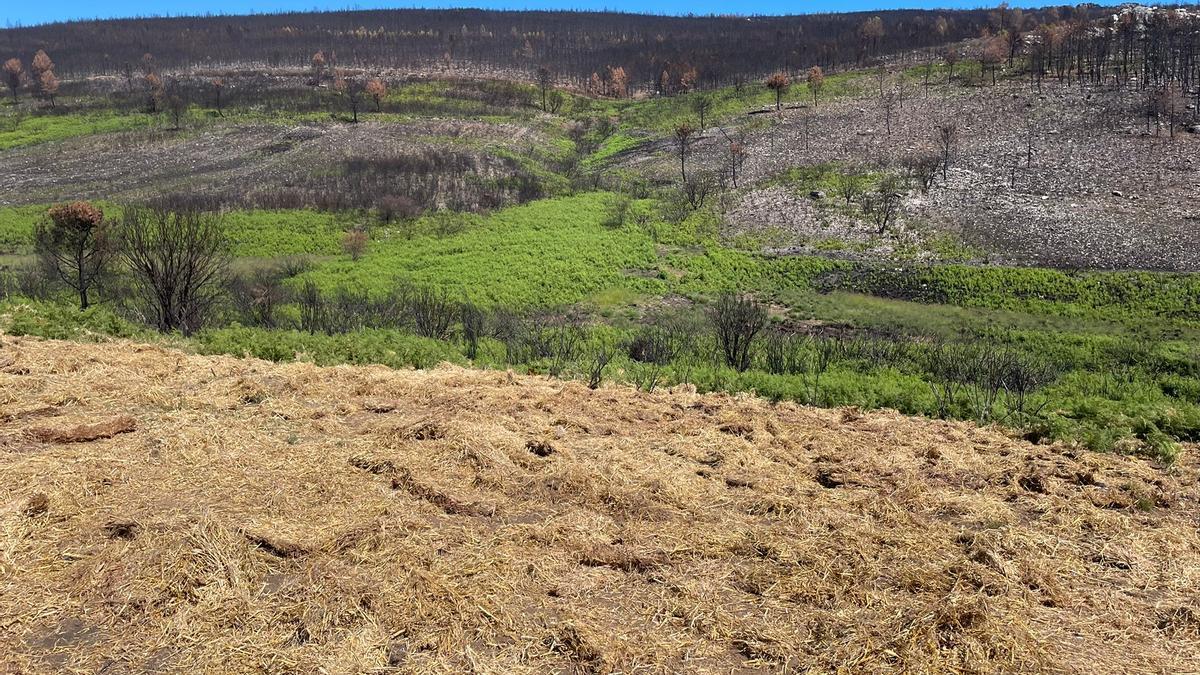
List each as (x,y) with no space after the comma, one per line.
(622,51)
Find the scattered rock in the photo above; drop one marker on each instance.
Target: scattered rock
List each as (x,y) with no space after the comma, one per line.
(816,194)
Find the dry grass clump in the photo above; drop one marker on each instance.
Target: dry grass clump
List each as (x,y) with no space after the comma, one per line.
(358,519)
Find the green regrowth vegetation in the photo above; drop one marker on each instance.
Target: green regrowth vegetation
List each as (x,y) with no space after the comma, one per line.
(18,131)
(252,233)
(545,254)
(268,234)
(1122,345)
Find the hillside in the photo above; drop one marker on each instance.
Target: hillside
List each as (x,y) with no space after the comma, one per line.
(573,44)
(160,510)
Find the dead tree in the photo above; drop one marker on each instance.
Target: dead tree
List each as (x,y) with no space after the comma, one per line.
(377,90)
(74,243)
(176,101)
(737,319)
(544,79)
(888,103)
(950,56)
(218,85)
(816,82)
(14,73)
(882,205)
(737,154)
(352,89)
(947,136)
(702,104)
(779,83)
(178,261)
(683,135)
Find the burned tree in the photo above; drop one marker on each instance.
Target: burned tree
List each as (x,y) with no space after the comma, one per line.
(544,79)
(947,138)
(888,103)
(702,104)
(176,101)
(45,82)
(736,148)
(317,64)
(351,89)
(178,261)
(992,55)
(155,92)
(48,86)
(683,135)
(377,90)
(779,83)
(923,167)
(951,57)
(882,205)
(218,85)
(354,243)
(737,320)
(73,242)
(816,82)
(14,73)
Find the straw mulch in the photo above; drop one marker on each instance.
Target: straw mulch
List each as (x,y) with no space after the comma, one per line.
(167,512)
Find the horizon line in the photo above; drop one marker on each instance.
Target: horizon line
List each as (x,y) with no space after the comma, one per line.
(9,24)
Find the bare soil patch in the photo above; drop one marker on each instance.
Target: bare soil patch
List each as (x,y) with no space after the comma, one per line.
(1100,192)
(237,160)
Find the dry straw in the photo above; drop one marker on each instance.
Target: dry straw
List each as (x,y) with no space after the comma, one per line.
(167,512)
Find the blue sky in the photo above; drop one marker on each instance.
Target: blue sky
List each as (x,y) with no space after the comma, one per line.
(23,12)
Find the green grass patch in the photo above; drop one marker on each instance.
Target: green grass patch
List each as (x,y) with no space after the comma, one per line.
(252,233)
(16,227)
(19,131)
(1142,298)
(548,253)
(614,145)
(265,234)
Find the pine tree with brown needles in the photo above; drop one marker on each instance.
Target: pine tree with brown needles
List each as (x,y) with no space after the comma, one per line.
(14,73)
(779,83)
(816,82)
(377,90)
(74,242)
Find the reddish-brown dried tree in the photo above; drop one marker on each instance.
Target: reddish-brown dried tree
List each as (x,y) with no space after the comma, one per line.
(73,242)
(779,83)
